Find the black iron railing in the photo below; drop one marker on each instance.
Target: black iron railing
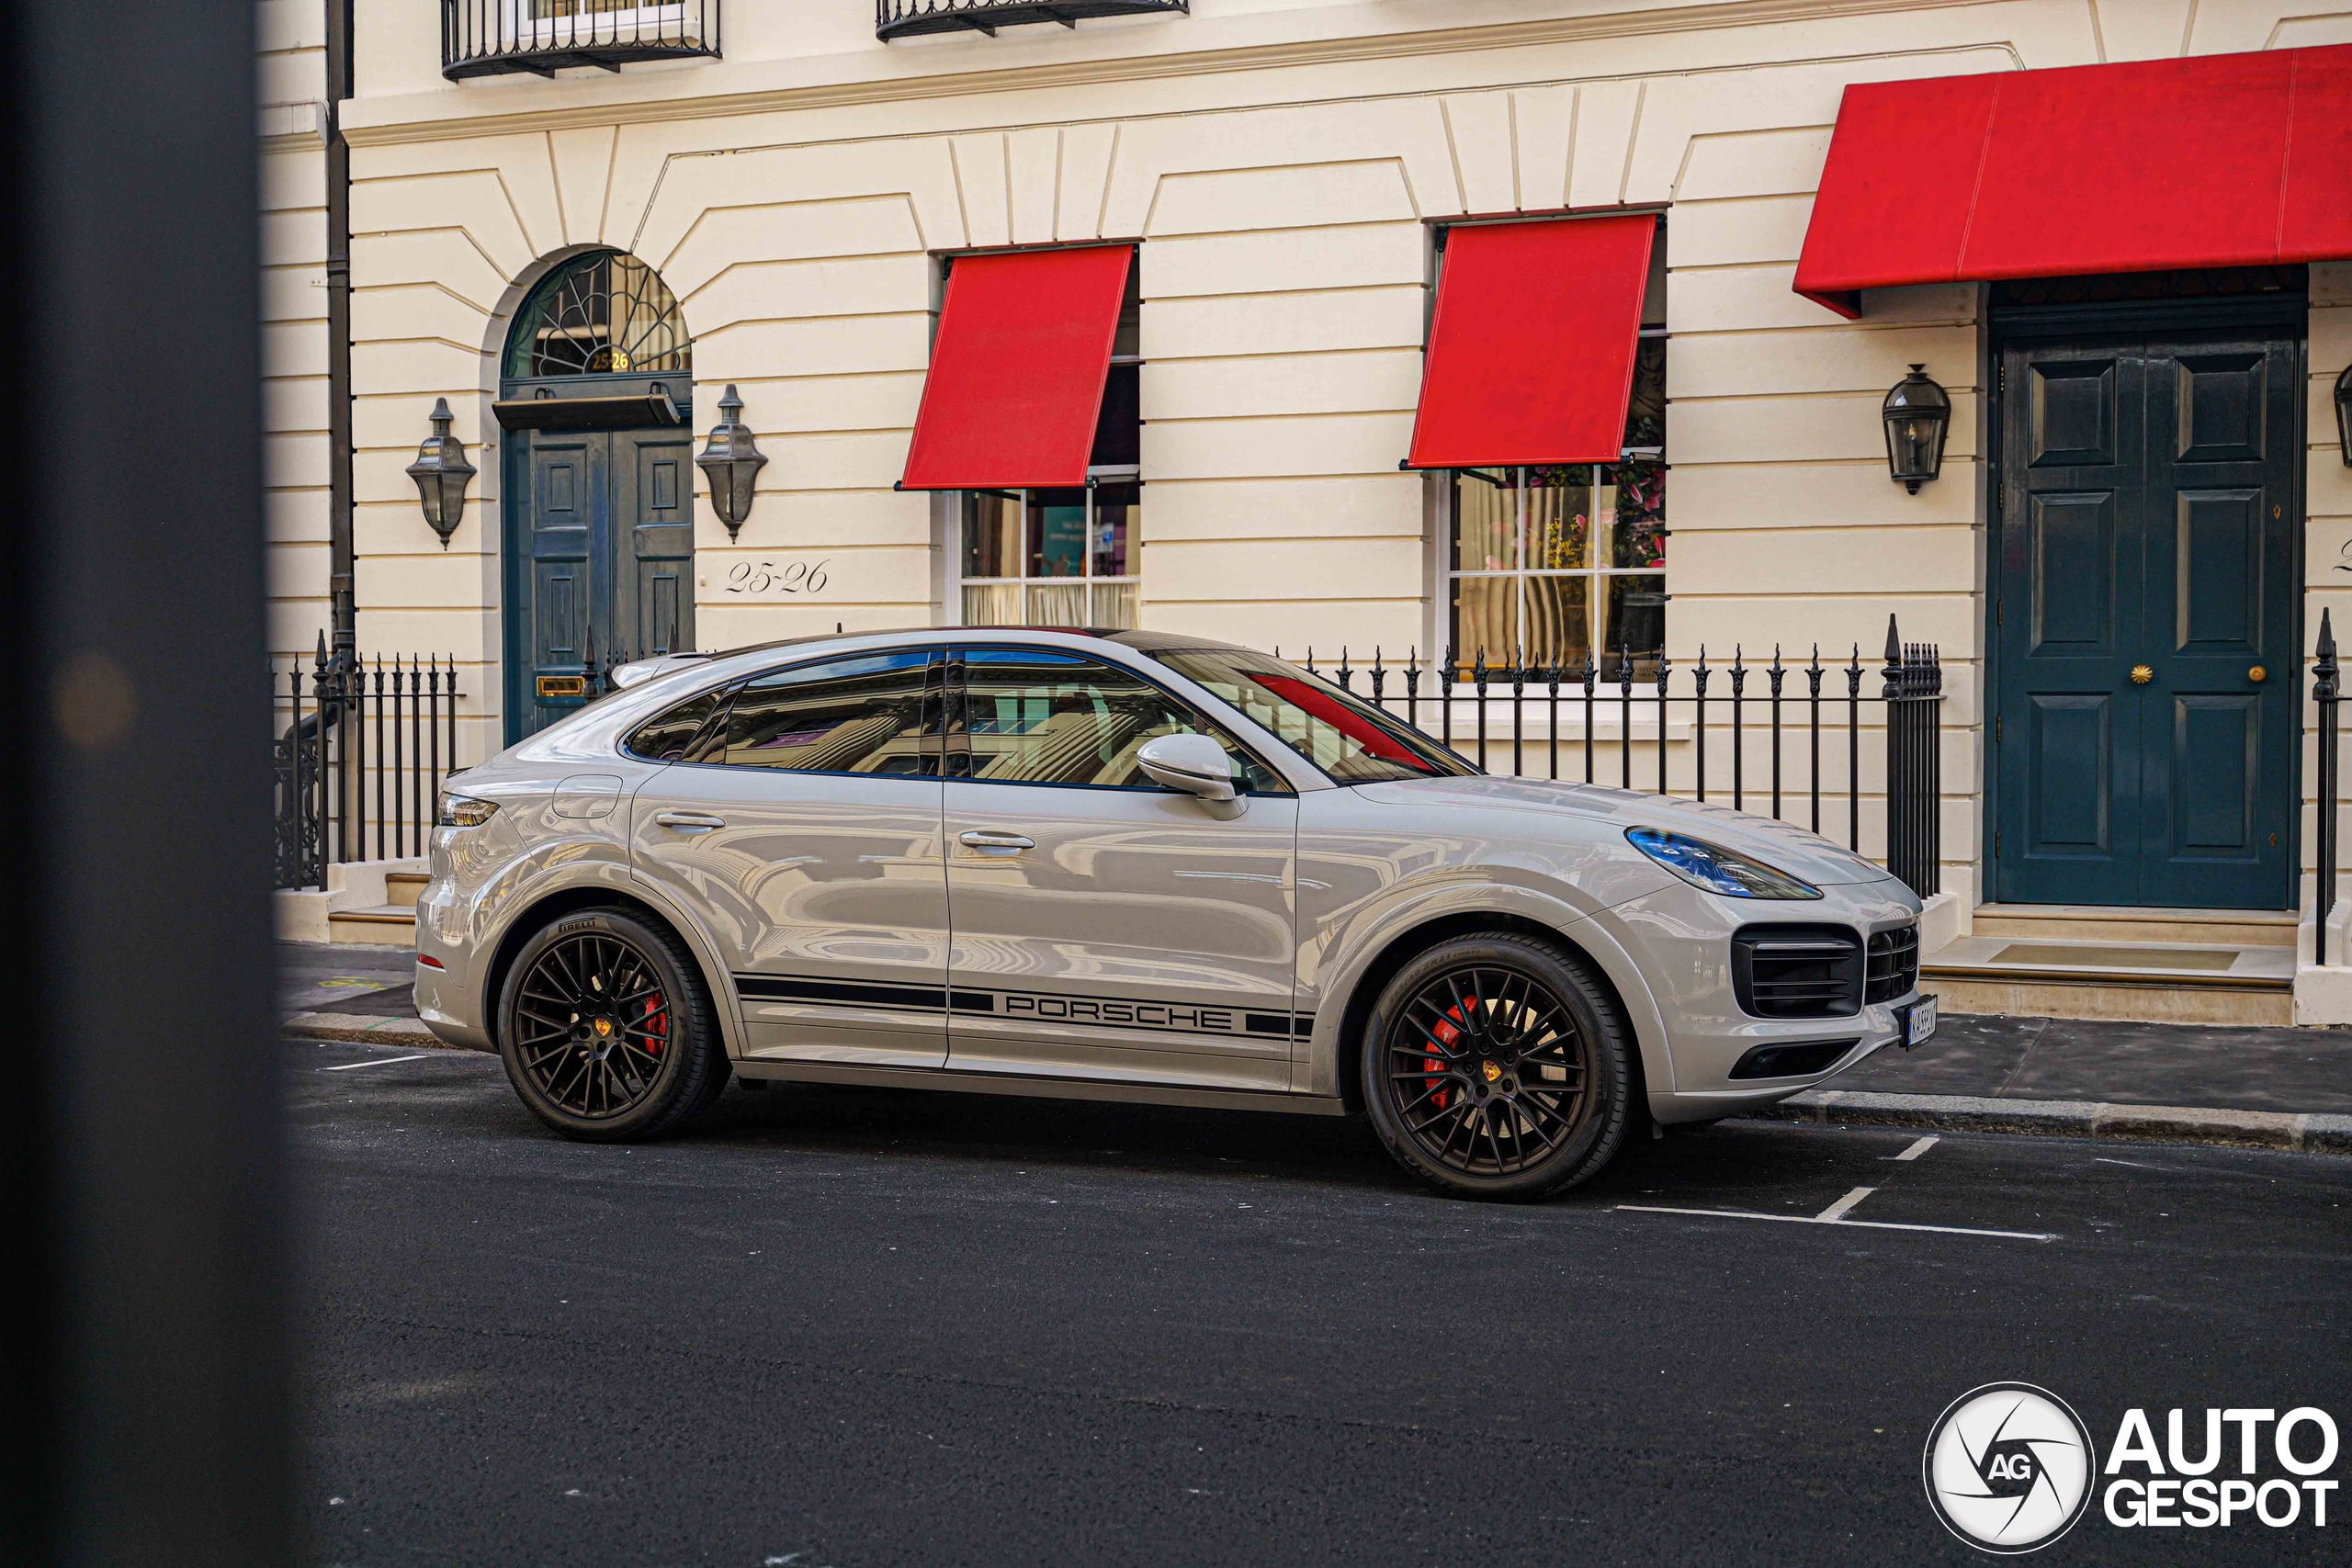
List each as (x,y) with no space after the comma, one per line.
(2326,692)
(905,19)
(362,748)
(1515,715)
(480,38)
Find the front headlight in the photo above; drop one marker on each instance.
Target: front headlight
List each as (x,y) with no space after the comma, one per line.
(1716,869)
(463,811)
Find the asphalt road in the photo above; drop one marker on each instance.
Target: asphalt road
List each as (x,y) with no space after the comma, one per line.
(835,1327)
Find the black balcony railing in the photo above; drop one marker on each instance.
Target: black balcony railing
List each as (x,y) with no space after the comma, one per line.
(905,19)
(1584,722)
(362,748)
(2327,695)
(480,38)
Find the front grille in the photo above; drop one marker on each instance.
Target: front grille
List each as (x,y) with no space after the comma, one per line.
(1797,971)
(1893,964)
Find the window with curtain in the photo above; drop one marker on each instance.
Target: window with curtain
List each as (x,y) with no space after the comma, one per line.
(1066,557)
(1547,564)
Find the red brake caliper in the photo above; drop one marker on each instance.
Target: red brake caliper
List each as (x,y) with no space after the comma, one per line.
(656,1024)
(1445,1033)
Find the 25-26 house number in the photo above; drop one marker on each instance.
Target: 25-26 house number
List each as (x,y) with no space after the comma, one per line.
(765,577)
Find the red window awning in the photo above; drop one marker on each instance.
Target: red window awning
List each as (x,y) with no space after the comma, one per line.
(2224,160)
(1017,369)
(1531,356)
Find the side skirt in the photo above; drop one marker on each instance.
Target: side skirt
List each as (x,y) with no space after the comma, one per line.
(1040,1087)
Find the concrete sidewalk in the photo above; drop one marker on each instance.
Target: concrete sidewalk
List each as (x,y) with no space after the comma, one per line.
(2288,1089)
(334,992)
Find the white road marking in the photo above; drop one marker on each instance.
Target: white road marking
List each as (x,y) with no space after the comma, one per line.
(1845,1205)
(1922,1146)
(1858,1225)
(378,1062)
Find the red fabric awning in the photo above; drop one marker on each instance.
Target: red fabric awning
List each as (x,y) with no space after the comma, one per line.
(1017,369)
(2224,160)
(1531,356)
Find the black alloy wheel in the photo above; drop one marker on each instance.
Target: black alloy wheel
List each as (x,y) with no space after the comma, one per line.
(606,1029)
(1496,1067)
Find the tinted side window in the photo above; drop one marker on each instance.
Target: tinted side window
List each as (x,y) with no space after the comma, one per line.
(862,715)
(667,736)
(1042,718)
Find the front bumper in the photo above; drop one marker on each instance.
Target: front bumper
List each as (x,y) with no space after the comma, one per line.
(1681,938)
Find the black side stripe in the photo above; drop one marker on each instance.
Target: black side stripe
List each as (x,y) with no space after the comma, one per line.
(1117,1013)
(846,993)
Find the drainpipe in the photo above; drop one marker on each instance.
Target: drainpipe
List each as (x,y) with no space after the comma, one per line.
(340,575)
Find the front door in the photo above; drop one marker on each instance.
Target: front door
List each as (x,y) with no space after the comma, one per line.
(2144,729)
(601,553)
(1105,926)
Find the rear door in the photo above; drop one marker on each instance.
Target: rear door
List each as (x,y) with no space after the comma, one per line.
(1105,926)
(810,843)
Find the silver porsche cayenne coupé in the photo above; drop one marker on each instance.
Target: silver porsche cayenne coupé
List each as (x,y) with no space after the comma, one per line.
(1131,866)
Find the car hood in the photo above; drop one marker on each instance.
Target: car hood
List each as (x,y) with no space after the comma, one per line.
(1780,844)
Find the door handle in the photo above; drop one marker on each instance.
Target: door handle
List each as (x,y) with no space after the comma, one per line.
(2257,674)
(689,821)
(1009,843)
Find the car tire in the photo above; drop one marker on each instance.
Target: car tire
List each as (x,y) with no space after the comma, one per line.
(607,1031)
(1496,1065)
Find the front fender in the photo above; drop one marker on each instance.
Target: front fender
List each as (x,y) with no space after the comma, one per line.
(1376,930)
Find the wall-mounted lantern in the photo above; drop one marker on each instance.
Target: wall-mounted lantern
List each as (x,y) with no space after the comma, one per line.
(1918,413)
(2344,413)
(731,461)
(441,473)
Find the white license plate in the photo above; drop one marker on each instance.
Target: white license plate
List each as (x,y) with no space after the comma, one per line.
(1920,1023)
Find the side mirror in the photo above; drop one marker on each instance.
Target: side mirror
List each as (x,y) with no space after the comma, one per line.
(1192,763)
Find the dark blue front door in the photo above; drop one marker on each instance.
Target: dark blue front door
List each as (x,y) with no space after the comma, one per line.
(600,559)
(2146,722)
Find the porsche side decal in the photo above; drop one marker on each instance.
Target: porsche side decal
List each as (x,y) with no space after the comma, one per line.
(1115,1012)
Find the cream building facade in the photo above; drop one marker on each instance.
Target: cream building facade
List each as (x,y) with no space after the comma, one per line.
(1286,170)
(290,79)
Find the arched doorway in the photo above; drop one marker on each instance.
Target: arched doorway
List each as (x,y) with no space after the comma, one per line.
(595,397)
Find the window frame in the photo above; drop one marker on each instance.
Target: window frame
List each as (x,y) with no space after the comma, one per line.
(959,507)
(1336,692)
(958,735)
(1447,510)
(929,730)
(722,699)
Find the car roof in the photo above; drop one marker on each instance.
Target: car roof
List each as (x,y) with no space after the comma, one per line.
(1141,641)
(669,672)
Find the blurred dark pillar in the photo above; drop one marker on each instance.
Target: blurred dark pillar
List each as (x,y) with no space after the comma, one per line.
(145,1362)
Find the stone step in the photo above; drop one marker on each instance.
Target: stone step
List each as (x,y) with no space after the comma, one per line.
(2085,922)
(2149,982)
(384,925)
(400,887)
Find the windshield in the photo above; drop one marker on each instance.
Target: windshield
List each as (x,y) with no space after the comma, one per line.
(1349,738)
